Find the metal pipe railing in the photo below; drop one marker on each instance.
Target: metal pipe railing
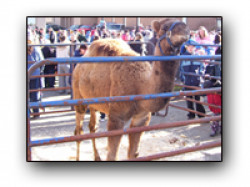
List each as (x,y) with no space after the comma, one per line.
(116,98)
(190,87)
(189,110)
(50,112)
(50,89)
(122,98)
(204,76)
(119,59)
(51,75)
(200,102)
(49,141)
(177,152)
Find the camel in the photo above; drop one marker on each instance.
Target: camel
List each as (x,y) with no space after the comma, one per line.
(92,80)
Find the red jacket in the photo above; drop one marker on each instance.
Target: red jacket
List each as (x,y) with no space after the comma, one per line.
(214,99)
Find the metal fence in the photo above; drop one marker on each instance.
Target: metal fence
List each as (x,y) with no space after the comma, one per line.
(197,91)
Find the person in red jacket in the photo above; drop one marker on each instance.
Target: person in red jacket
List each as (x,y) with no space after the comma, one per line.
(214,99)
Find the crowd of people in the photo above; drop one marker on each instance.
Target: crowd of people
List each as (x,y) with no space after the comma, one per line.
(83,38)
(206,73)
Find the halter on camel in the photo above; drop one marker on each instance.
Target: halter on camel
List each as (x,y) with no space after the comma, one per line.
(175,49)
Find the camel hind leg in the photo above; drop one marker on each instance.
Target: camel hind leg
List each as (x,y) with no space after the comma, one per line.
(134,138)
(80,112)
(93,120)
(79,116)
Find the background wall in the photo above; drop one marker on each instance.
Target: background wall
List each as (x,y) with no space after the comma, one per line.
(194,23)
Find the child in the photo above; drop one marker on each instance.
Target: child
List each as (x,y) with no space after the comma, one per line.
(214,99)
(195,67)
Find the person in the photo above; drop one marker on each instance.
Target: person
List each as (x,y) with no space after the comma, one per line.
(202,36)
(139,48)
(132,35)
(119,35)
(81,51)
(215,99)
(41,35)
(113,35)
(88,36)
(81,36)
(215,69)
(74,41)
(59,33)
(52,35)
(148,35)
(34,55)
(192,35)
(41,39)
(63,51)
(190,80)
(96,38)
(49,52)
(150,48)
(126,36)
(217,40)
(94,34)
(103,33)
(78,53)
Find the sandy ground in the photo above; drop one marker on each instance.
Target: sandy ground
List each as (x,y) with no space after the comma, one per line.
(152,142)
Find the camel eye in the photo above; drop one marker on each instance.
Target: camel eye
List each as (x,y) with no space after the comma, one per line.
(165,28)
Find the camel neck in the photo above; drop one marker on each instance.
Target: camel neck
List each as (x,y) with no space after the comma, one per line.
(164,75)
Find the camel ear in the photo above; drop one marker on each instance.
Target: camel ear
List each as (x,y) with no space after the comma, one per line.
(156,26)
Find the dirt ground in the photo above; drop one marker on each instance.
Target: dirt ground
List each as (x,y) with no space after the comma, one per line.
(152,142)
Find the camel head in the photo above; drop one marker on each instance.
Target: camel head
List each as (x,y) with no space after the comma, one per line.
(171,34)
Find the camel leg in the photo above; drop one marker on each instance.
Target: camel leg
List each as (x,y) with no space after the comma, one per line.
(114,141)
(79,123)
(134,138)
(78,131)
(80,111)
(93,119)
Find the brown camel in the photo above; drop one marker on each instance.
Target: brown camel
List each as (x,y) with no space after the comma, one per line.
(127,78)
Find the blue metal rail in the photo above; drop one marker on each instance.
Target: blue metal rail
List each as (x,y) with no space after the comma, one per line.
(121,59)
(133,58)
(121,98)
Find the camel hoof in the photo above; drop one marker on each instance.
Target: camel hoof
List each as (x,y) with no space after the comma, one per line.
(98,159)
(136,155)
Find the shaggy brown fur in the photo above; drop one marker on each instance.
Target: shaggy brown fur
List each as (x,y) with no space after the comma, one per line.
(125,78)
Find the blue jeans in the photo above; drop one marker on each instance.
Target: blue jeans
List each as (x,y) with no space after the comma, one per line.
(34,96)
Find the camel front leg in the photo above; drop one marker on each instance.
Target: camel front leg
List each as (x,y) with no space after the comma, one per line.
(93,120)
(114,141)
(134,138)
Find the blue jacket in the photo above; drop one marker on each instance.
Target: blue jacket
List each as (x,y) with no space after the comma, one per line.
(36,56)
(194,67)
(77,53)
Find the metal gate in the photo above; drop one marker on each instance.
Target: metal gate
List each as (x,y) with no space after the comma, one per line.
(213,60)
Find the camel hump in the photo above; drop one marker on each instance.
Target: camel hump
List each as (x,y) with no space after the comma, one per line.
(110,47)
